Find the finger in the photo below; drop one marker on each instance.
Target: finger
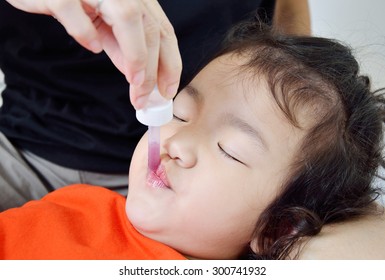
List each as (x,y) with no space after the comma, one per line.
(170,66)
(170,62)
(111,46)
(125,18)
(152,33)
(38,7)
(72,16)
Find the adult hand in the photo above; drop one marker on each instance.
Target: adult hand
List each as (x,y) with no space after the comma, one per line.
(135,34)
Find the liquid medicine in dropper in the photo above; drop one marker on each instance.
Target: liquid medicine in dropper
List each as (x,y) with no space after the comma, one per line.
(153,156)
(153,148)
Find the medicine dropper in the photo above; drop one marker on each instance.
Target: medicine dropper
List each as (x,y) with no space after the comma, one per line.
(157,112)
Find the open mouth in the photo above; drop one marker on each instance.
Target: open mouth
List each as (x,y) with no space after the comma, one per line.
(158,178)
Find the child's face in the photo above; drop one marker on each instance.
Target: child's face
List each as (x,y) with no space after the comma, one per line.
(224,164)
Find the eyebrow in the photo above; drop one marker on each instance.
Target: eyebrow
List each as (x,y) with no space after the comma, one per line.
(194,93)
(240,124)
(231,119)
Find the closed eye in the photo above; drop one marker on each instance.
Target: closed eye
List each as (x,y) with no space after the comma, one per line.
(227,155)
(178,118)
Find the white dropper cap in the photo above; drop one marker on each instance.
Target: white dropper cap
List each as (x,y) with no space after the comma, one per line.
(157,112)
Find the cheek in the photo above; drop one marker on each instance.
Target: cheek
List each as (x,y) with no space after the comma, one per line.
(139,159)
(224,197)
(254,192)
(141,147)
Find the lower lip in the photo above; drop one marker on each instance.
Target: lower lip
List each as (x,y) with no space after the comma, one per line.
(153,180)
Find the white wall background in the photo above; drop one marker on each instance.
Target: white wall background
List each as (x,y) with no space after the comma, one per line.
(359,23)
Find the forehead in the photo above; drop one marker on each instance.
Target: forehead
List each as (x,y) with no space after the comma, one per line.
(227,80)
(223,70)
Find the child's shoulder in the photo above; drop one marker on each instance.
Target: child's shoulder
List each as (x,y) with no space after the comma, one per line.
(81,190)
(362,238)
(81,195)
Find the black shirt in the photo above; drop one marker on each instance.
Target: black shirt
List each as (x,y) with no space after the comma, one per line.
(70,106)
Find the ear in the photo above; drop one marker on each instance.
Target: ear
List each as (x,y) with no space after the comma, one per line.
(250,251)
(254,245)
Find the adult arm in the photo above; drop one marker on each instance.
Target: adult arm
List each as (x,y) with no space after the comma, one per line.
(292,17)
(135,34)
(362,238)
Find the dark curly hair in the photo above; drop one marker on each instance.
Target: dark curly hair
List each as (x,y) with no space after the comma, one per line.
(331,179)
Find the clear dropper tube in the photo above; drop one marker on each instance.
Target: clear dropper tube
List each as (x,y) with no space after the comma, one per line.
(153,147)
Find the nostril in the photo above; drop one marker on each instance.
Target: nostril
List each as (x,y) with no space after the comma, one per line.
(181,147)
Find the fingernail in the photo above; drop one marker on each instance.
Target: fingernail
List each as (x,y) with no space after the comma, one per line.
(141,101)
(95,46)
(138,78)
(172,90)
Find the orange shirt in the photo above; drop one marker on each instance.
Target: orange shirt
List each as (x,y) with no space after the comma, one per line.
(76,222)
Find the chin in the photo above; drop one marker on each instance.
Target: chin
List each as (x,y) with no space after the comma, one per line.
(134,214)
(142,215)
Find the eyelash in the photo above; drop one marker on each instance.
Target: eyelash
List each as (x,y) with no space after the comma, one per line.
(178,119)
(222,151)
(225,154)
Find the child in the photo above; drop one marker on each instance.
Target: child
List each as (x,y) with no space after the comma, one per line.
(272,152)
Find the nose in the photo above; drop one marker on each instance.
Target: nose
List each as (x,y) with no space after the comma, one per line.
(182,147)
